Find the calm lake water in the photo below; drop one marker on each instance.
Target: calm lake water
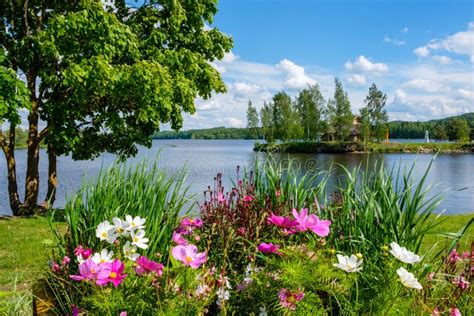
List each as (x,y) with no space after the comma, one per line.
(452,175)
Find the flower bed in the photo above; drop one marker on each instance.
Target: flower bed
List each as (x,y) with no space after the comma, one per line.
(251,252)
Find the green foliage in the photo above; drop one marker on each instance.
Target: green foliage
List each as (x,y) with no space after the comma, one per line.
(438,129)
(365,126)
(144,191)
(252,118)
(211,133)
(375,104)
(310,104)
(339,112)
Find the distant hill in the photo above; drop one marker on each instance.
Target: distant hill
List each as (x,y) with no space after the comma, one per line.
(407,129)
(220,132)
(397,129)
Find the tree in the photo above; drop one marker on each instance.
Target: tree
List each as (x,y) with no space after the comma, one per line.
(439,131)
(101,78)
(340,112)
(365,124)
(375,103)
(252,119)
(310,105)
(266,117)
(459,130)
(280,106)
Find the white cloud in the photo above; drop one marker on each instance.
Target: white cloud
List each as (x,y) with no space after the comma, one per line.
(422,51)
(233,122)
(445,60)
(422,85)
(363,64)
(461,43)
(246,88)
(296,78)
(394,41)
(357,79)
(465,94)
(405,30)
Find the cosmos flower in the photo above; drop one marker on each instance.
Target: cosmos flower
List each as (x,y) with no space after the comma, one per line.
(130,251)
(146,266)
(268,248)
(349,264)
(402,254)
(138,239)
(408,279)
(106,231)
(103,256)
(189,255)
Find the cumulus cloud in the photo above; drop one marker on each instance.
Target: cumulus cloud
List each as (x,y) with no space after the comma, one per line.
(422,51)
(445,60)
(233,122)
(246,88)
(357,79)
(422,85)
(461,43)
(363,64)
(405,30)
(296,77)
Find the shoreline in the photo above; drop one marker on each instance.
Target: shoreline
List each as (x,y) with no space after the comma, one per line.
(359,148)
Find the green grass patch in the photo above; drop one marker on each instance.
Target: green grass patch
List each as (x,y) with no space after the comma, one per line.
(25,244)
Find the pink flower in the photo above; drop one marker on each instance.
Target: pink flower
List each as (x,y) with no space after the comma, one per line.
(189,255)
(288,298)
(78,250)
(82,253)
(466,255)
(86,253)
(114,276)
(241,231)
(286,223)
(55,267)
(124,313)
(461,282)
(455,312)
(179,239)
(190,222)
(277,193)
(454,257)
(248,198)
(66,260)
(435,312)
(312,222)
(430,276)
(221,197)
(268,248)
(90,271)
(75,310)
(146,266)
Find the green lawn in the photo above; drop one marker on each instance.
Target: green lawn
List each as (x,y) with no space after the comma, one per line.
(24,248)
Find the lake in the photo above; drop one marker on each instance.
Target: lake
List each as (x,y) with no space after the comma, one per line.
(452,174)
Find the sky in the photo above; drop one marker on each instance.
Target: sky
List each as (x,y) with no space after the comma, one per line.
(420,53)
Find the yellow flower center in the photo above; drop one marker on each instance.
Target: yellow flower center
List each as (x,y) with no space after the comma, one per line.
(104,234)
(102,260)
(135,239)
(112,275)
(189,259)
(93,271)
(291,299)
(133,224)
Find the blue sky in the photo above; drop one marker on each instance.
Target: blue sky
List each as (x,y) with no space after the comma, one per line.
(421,53)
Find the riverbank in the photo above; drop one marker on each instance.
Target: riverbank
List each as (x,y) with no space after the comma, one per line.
(357,147)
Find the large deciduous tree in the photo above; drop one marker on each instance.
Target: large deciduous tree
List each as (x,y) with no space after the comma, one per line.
(252,119)
(97,78)
(310,105)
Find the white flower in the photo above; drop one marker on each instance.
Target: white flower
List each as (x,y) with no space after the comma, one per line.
(103,256)
(106,231)
(222,295)
(202,290)
(120,226)
(135,223)
(80,259)
(263,311)
(139,239)
(130,251)
(402,254)
(408,279)
(349,264)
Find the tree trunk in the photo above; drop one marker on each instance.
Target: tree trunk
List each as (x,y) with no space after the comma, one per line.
(9,151)
(32,169)
(52,177)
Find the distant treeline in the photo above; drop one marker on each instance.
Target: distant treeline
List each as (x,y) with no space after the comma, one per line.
(211,133)
(451,128)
